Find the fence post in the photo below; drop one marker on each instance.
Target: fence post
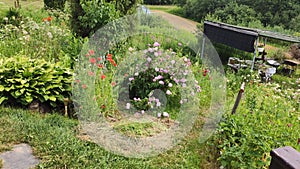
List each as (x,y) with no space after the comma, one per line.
(238,99)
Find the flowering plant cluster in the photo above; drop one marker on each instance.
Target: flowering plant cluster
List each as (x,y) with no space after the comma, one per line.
(158,80)
(39,39)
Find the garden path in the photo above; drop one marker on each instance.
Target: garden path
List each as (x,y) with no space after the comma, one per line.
(177,21)
(189,25)
(20,157)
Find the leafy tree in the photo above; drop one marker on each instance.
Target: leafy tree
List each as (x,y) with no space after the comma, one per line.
(158,2)
(236,14)
(269,12)
(55,4)
(87,16)
(198,9)
(295,23)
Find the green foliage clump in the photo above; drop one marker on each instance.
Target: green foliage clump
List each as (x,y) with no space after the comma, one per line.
(24,80)
(158,2)
(12,16)
(40,40)
(88,16)
(245,12)
(55,4)
(267,118)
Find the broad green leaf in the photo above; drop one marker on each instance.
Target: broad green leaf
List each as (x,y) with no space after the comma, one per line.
(1,88)
(28,99)
(52,98)
(17,94)
(2,99)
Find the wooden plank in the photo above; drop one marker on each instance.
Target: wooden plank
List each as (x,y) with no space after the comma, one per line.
(285,158)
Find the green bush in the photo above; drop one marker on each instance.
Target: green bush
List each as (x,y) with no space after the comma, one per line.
(158,2)
(24,80)
(55,4)
(88,16)
(267,118)
(40,40)
(12,16)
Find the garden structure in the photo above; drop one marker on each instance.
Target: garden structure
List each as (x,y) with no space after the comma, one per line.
(245,39)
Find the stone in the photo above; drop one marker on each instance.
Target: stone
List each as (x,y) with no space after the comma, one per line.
(20,157)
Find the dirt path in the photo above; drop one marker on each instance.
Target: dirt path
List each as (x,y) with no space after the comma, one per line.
(177,21)
(189,25)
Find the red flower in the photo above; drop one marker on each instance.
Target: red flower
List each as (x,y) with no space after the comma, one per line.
(93,60)
(100,66)
(110,59)
(77,81)
(289,125)
(91,52)
(84,86)
(91,73)
(103,76)
(49,19)
(99,58)
(87,55)
(113,63)
(113,83)
(125,74)
(109,56)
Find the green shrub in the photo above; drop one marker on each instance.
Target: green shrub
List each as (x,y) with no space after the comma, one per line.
(88,16)
(55,4)
(267,118)
(12,16)
(158,2)
(24,80)
(40,40)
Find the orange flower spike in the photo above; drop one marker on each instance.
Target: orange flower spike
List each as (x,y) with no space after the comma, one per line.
(109,56)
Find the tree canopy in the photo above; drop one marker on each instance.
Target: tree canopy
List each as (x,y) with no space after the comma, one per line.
(268,13)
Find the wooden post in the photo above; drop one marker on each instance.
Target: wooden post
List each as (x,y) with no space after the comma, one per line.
(285,158)
(17,4)
(238,99)
(203,45)
(66,102)
(254,53)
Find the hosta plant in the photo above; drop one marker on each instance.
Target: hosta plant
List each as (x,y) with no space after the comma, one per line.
(24,80)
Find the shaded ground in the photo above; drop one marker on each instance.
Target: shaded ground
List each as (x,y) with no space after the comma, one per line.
(177,21)
(20,157)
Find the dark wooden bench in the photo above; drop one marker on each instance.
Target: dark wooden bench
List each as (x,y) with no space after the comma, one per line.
(285,158)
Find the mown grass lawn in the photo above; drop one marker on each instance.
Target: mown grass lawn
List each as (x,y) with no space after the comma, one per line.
(29,4)
(56,142)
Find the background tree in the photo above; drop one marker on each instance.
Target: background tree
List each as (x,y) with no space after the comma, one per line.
(268,12)
(87,16)
(55,4)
